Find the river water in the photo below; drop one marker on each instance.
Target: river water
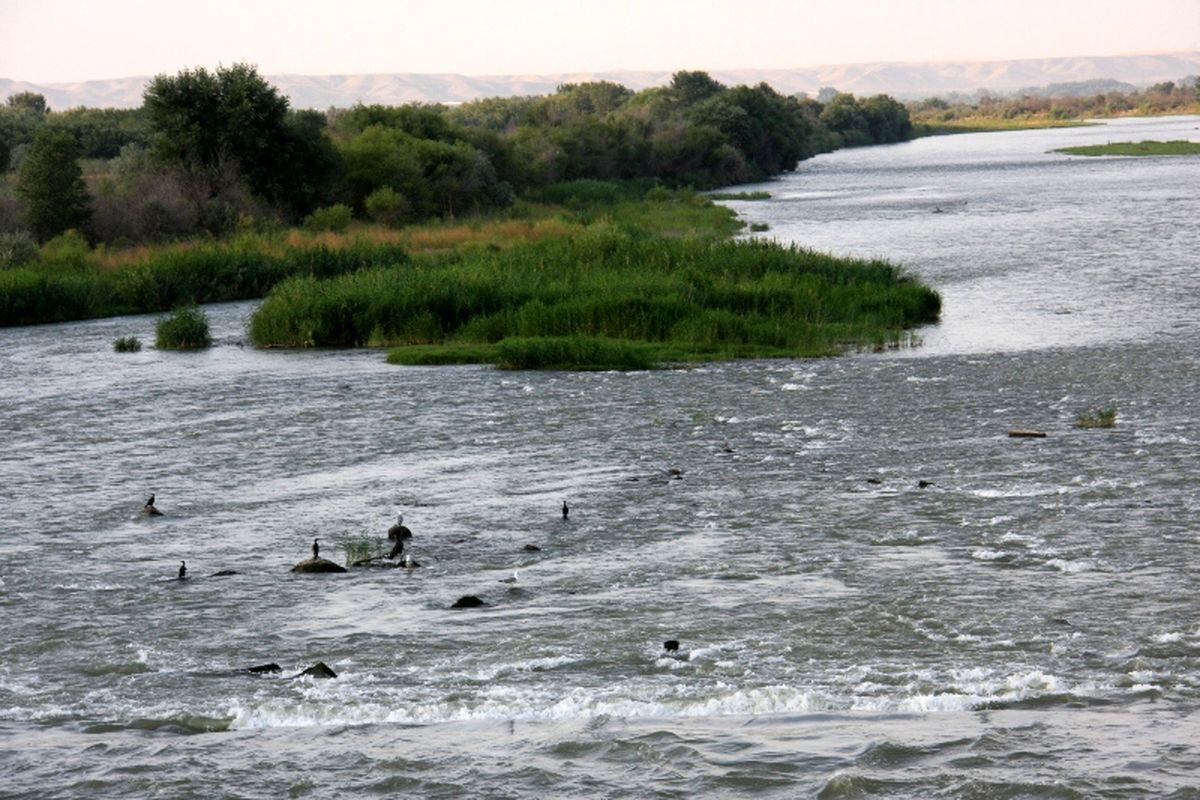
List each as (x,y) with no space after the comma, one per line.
(877,592)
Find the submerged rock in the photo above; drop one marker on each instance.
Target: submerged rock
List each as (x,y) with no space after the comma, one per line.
(318,565)
(318,670)
(468,601)
(224,573)
(533,548)
(265,668)
(1020,433)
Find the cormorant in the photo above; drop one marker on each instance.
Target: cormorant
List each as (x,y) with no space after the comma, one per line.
(150,509)
(182,570)
(316,549)
(565,509)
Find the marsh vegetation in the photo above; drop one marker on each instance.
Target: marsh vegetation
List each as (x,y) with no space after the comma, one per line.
(1178,147)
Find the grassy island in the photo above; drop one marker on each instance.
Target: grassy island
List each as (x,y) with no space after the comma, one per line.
(641,284)
(1148,148)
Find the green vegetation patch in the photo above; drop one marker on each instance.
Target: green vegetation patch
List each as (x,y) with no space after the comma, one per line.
(127,344)
(1098,418)
(740,195)
(184,329)
(1147,148)
(609,298)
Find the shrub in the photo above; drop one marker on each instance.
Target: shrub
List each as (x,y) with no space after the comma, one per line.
(67,250)
(332,218)
(185,329)
(759,227)
(127,344)
(387,206)
(16,249)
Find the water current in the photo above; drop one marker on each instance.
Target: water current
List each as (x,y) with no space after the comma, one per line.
(877,592)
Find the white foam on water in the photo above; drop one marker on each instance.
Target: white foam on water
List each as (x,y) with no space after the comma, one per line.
(1168,638)
(987,554)
(1071,567)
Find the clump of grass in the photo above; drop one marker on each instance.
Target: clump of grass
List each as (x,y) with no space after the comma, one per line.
(759,227)
(740,195)
(127,344)
(361,547)
(184,329)
(1097,418)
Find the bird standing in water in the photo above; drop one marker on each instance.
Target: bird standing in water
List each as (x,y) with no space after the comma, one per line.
(316,549)
(182,570)
(566,510)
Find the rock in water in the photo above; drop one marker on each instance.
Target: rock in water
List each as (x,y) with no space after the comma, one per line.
(1020,433)
(468,601)
(265,668)
(319,670)
(318,565)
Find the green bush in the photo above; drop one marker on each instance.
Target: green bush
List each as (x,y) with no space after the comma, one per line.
(127,344)
(332,218)
(68,250)
(387,206)
(184,329)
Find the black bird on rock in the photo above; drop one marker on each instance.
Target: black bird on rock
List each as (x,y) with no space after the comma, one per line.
(566,510)
(316,549)
(182,570)
(149,508)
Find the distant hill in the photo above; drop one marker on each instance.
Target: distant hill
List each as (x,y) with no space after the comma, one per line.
(902,80)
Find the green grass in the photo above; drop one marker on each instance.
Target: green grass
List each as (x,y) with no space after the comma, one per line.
(985,124)
(1147,148)
(127,344)
(609,298)
(740,195)
(363,546)
(1098,418)
(185,328)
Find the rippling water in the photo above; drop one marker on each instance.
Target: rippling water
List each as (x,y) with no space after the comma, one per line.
(877,591)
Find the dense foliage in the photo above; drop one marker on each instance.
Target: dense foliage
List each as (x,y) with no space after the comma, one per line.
(51,184)
(989,111)
(212,152)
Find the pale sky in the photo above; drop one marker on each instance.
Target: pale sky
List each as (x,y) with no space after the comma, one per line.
(47,41)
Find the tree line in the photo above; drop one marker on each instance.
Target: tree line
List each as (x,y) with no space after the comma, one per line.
(211,151)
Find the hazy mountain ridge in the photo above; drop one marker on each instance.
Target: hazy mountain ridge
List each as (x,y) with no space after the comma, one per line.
(902,80)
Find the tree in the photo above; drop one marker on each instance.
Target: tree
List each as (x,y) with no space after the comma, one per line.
(29,101)
(51,184)
(692,87)
(209,124)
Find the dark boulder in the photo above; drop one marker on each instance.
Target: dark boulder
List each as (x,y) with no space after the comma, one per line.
(225,573)
(318,565)
(318,670)
(533,548)
(265,668)
(399,532)
(1026,434)
(468,601)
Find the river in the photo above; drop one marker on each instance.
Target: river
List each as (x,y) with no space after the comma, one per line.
(877,592)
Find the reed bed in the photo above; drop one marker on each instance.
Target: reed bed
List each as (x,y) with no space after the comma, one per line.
(605,298)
